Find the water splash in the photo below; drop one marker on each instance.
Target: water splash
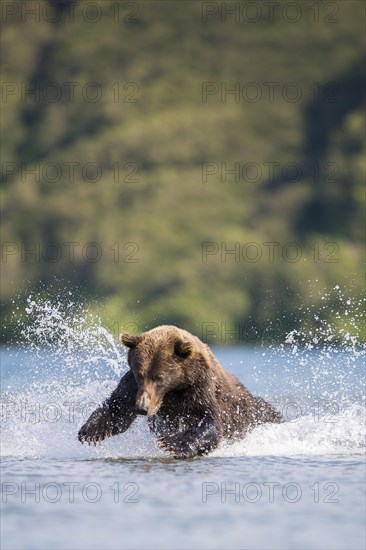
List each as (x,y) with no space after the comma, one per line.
(69,363)
(335,326)
(74,337)
(338,434)
(326,352)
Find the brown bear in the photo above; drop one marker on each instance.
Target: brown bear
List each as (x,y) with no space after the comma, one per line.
(191,402)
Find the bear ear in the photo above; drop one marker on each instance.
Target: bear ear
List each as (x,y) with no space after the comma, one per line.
(182,348)
(129,340)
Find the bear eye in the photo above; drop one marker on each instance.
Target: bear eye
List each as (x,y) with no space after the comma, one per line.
(157,378)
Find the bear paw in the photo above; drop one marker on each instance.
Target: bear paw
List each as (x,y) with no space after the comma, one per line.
(179,446)
(98,426)
(171,449)
(197,441)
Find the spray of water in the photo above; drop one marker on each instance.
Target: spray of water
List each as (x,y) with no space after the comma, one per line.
(330,350)
(69,363)
(66,366)
(66,328)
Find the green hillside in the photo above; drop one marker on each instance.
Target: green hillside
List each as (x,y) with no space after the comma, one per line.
(140,149)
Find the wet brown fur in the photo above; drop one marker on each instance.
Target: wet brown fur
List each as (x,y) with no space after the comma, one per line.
(192,403)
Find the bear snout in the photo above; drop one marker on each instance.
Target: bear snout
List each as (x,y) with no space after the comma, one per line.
(142,403)
(141,410)
(147,403)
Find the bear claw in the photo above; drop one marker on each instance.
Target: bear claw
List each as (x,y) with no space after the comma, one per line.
(96,429)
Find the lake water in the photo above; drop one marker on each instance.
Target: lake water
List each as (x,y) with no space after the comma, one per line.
(298,485)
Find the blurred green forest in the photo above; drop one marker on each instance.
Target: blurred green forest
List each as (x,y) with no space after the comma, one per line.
(127,141)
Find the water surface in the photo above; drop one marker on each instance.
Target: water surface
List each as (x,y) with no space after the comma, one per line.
(297,485)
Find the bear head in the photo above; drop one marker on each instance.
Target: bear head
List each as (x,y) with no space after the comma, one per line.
(161,361)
